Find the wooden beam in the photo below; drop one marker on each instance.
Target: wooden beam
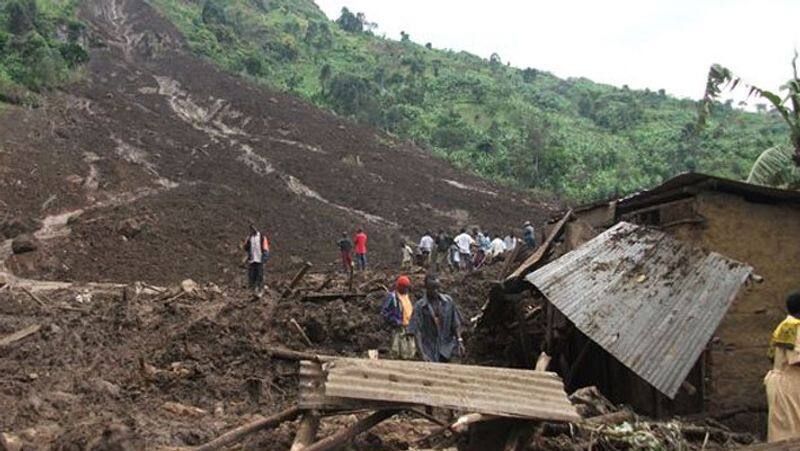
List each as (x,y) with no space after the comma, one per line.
(19,335)
(346,435)
(236,435)
(300,330)
(317,297)
(288,354)
(541,251)
(307,431)
(297,278)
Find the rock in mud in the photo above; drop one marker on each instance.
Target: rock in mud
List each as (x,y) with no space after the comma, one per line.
(16,226)
(189,286)
(130,228)
(10,442)
(24,243)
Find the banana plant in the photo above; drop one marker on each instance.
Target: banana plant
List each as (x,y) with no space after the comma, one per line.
(788,106)
(774,167)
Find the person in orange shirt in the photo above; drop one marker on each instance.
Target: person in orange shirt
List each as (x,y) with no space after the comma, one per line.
(360,243)
(397,309)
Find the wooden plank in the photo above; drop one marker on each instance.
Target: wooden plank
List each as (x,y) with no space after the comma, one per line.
(297,278)
(241,432)
(541,251)
(318,297)
(342,437)
(19,335)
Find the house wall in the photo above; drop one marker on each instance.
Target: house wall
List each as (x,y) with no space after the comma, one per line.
(767,237)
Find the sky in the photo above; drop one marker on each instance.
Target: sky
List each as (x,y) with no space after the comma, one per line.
(656,44)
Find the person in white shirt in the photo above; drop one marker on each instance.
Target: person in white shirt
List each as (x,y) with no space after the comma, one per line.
(497,249)
(510,242)
(425,247)
(465,242)
(408,256)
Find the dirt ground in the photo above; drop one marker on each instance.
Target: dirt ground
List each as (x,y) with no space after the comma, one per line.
(163,160)
(107,363)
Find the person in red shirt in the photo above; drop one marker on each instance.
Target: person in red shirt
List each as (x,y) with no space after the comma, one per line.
(360,243)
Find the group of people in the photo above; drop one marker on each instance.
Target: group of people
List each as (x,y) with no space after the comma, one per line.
(347,246)
(464,251)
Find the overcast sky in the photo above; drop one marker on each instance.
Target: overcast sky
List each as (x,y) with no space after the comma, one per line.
(642,43)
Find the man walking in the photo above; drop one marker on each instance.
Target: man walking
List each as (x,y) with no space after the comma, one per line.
(465,242)
(346,249)
(436,324)
(397,309)
(783,382)
(257,248)
(360,242)
(425,248)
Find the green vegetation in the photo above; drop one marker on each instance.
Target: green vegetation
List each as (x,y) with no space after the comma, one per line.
(40,45)
(777,166)
(524,127)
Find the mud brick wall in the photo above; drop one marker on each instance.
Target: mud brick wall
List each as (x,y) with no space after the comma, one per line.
(768,238)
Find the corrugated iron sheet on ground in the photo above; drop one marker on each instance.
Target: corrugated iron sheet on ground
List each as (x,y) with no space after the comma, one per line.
(312,392)
(650,300)
(488,390)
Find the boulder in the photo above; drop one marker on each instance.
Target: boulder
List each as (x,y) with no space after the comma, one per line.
(24,243)
(189,286)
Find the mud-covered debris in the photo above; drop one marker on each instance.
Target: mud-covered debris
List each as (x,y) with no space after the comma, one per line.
(24,243)
(130,228)
(16,226)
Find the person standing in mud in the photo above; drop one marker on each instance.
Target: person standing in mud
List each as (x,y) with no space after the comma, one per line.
(397,309)
(465,243)
(443,242)
(346,249)
(257,248)
(360,243)
(436,324)
(783,381)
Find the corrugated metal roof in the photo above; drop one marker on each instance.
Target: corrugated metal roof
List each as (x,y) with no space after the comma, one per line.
(488,390)
(651,301)
(689,183)
(311,393)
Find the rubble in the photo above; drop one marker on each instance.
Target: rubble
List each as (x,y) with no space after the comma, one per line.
(24,243)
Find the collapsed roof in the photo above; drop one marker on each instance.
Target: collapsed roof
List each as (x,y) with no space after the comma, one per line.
(651,301)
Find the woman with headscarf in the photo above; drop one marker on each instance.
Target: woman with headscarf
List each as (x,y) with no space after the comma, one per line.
(783,381)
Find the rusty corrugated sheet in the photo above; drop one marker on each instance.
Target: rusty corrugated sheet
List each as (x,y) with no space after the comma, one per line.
(311,393)
(488,390)
(650,300)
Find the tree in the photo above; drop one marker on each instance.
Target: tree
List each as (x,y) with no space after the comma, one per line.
(349,22)
(720,78)
(324,77)
(22,15)
(774,168)
(495,61)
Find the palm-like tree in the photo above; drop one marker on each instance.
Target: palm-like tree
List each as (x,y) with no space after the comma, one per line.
(777,166)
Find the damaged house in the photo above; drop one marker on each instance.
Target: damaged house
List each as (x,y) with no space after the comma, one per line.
(664,300)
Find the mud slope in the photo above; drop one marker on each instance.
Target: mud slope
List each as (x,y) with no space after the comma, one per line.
(162,147)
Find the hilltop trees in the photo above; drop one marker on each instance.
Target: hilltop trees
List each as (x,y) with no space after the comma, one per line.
(32,55)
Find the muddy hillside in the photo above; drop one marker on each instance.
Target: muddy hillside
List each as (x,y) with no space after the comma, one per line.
(152,166)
